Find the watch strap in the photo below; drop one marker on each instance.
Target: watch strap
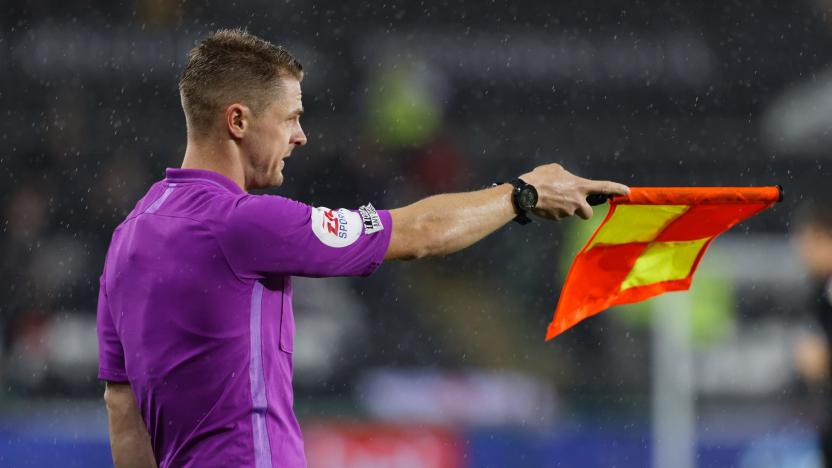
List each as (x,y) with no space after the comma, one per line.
(522,217)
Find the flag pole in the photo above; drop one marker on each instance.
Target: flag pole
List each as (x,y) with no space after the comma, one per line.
(673,394)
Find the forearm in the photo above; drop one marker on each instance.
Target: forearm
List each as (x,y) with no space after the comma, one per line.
(131,450)
(443,224)
(129,440)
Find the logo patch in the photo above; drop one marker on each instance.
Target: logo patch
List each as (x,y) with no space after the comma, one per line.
(370,218)
(336,228)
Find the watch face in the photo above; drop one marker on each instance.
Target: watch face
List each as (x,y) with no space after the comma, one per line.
(527,198)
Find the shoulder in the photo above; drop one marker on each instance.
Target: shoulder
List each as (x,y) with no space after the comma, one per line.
(257,226)
(259,212)
(154,192)
(254,205)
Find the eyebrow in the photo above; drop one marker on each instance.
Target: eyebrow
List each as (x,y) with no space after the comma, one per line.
(299,112)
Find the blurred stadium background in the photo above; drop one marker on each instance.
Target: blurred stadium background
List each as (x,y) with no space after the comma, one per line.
(441,363)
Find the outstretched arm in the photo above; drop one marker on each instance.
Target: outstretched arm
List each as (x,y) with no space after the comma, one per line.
(443,224)
(129,440)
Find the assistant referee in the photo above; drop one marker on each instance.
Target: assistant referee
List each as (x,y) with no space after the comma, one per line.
(195,323)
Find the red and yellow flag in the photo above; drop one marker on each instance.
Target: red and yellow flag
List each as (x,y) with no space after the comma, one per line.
(651,242)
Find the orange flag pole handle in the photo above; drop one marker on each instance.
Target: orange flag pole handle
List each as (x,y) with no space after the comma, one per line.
(699,195)
(692,196)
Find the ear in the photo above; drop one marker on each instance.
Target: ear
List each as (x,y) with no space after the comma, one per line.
(237,119)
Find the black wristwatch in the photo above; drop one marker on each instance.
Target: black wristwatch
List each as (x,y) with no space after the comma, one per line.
(524,198)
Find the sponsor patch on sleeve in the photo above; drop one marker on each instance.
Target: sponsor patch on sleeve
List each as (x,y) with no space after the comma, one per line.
(370,218)
(336,228)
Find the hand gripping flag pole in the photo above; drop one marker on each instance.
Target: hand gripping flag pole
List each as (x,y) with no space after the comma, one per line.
(651,242)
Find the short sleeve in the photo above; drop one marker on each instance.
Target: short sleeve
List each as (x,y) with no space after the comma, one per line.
(110,353)
(267,235)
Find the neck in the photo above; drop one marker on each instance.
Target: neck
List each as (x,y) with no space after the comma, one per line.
(220,157)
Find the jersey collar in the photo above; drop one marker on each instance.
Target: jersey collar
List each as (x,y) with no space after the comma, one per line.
(177,176)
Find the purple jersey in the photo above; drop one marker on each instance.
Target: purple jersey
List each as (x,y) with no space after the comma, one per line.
(195,311)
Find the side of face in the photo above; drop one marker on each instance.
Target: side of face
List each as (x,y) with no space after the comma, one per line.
(814,246)
(271,136)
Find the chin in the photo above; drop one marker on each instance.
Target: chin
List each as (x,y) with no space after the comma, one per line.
(277,181)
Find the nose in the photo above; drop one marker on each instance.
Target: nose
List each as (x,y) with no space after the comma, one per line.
(299,137)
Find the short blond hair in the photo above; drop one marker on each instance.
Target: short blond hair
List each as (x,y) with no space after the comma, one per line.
(229,66)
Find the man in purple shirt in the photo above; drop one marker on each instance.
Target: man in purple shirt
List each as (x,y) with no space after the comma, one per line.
(195,321)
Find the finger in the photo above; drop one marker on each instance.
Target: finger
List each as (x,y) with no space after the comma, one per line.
(584,211)
(608,187)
